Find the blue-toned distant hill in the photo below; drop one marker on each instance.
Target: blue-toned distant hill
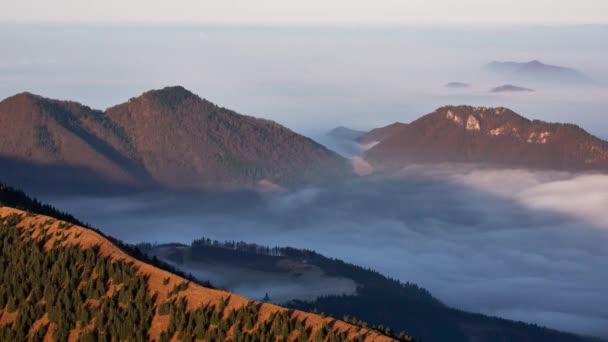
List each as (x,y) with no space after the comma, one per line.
(345,133)
(538,72)
(457,85)
(509,88)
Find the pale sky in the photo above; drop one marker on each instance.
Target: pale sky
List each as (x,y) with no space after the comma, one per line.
(298,12)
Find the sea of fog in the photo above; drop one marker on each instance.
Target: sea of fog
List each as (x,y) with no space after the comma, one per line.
(519,244)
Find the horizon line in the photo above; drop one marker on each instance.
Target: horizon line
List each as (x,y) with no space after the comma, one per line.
(304,25)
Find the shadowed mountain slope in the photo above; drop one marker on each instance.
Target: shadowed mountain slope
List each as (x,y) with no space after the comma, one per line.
(168,138)
(63,136)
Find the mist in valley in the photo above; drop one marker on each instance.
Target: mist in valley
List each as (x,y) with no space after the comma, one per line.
(281,286)
(518,244)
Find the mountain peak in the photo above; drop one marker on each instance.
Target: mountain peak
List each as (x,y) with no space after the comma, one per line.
(176,89)
(167,137)
(169,96)
(536,63)
(23,96)
(345,133)
(480,111)
(473,118)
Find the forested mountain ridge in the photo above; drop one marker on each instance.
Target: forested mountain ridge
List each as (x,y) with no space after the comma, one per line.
(63,281)
(62,142)
(185,140)
(168,138)
(384,303)
(494,136)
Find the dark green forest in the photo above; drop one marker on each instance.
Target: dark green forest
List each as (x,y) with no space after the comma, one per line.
(70,286)
(17,199)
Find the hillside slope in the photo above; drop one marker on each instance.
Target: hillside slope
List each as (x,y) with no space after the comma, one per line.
(496,136)
(378,300)
(168,138)
(381,133)
(66,282)
(184,140)
(59,139)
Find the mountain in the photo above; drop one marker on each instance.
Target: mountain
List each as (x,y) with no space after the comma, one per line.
(457,85)
(378,134)
(187,141)
(345,133)
(61,281)
(377,299)
(509,88)
(537,71)
(51,140)
(168,138)
(496,136)
(342,140)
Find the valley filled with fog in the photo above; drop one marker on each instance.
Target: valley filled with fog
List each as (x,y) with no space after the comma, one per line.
(518,244)
(289,282)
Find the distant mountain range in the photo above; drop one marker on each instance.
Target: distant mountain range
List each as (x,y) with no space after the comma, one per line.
(168,138)
(457,85)
(509,88)
(537,71)
(495,136)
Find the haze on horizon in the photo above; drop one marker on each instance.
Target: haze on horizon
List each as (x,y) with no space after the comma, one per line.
(309,79)
(335,12)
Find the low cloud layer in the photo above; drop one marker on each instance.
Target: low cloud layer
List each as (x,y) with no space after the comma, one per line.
(513,243)
(282,287)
